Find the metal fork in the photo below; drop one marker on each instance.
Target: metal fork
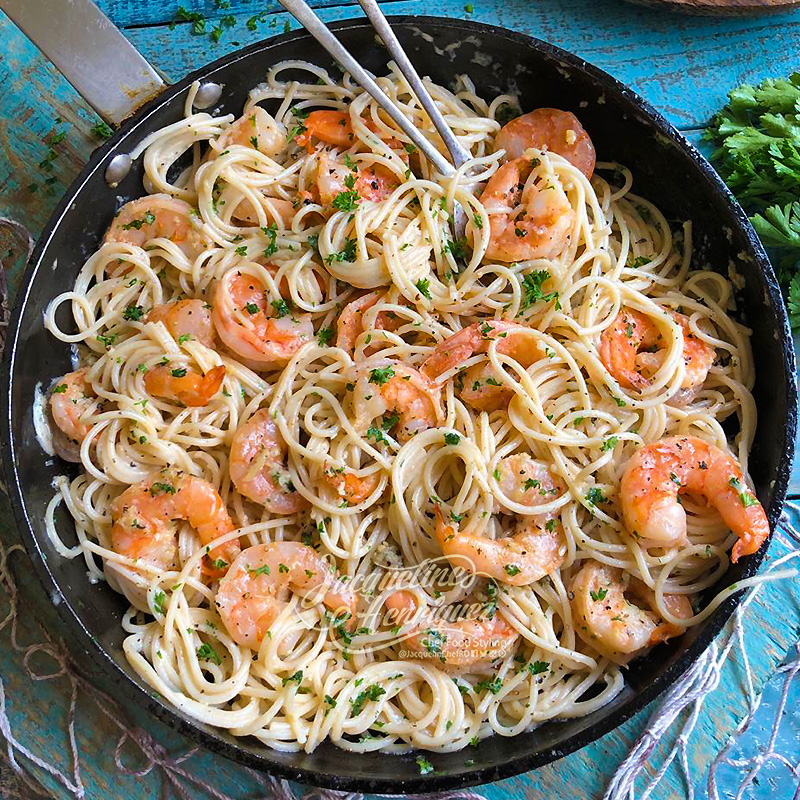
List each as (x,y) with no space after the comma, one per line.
(458,153)
(301,11)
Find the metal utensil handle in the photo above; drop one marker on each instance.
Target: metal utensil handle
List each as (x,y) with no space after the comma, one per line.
(316,27)
(457,152)
(90,52)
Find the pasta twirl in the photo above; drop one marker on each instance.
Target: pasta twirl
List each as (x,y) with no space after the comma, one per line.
(299,394)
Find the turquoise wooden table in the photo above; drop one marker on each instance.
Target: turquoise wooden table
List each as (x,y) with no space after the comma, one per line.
(682,65)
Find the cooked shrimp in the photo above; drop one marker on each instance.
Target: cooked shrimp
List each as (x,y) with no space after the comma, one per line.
(659,472)
(632,332)
(185,319)
(551,130)
(528,482)
(528,215)
(186,386)
(535,548)
(454,646)
(256,588)
(481,385)
(329,126)
(257,467)
(349,486)
(276,209)
(608,620)
(374,183)
(350,323)
(144,518)
(71,400)
(257,130)
(241,319)
(158,216)
(411,401)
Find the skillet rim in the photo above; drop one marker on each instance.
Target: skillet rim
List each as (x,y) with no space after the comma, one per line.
(515,764)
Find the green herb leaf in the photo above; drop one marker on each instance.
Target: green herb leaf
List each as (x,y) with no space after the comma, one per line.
(102,130)
(158,488)
(745,498)
(424,765)
(347,253)
(610,443)
(377,435)
(296,678)
(494,685)
(459,249)
(381,375)
(281,308)
(531,286)
(423,284)
(346,201)
(373,692)
(757,135)
(595,496)
(207,653)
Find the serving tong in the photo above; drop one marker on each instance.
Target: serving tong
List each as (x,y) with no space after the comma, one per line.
(302,12)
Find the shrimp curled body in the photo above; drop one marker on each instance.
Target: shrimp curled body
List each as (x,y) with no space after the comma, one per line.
(186,320)
(186,386)
(71,398)
(158,216)
(529,214)
(144,518)
(482,386)
(463,645)
(614,625)
(622,343)
(660,471)
(385,386)
(552,130)
(241,318)
(257,465)
(256,588)
(534,549)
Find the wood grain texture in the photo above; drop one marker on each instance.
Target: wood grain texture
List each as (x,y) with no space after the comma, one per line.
(682,65)
(138,13)
(721,8)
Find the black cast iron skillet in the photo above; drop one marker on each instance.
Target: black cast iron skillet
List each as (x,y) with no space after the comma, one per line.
(666,169)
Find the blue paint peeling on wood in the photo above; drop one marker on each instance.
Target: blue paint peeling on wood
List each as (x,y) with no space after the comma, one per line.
(683,65)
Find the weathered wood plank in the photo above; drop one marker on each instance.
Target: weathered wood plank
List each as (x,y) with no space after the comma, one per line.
(34,96)
(683,65)
(139,13)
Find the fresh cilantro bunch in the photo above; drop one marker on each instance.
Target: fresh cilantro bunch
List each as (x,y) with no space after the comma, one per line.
(758,154)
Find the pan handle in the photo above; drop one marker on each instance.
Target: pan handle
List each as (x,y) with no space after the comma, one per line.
(90,52)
